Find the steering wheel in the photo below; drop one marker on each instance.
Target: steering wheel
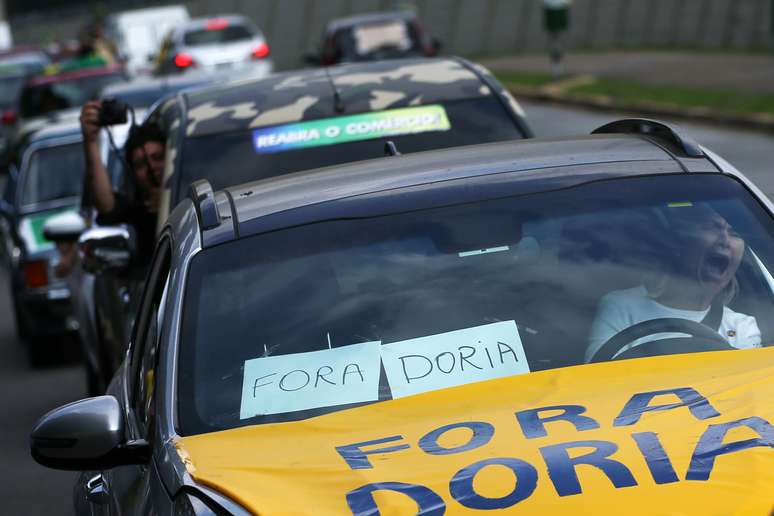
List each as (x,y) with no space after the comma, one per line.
(701,338)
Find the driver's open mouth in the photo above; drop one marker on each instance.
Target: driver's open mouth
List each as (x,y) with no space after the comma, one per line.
(716,263)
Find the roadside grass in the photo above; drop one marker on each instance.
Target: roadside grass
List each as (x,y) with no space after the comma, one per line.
(630,93)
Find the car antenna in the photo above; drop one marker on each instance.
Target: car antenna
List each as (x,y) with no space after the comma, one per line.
(390,149)
(338,102)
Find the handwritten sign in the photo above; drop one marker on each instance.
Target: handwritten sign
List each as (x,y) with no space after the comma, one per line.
(302,381)
(454,358)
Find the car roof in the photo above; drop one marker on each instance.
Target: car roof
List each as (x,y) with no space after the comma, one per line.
(75,74)
(257,204)
(69,127)
(161,84)
(368,18)
(311,93)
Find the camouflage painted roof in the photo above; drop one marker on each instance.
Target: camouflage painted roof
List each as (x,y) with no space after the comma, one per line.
(309,94)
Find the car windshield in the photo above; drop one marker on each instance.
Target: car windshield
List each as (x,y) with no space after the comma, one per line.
(217,32)
(267,152)
(298,322)
(41,99)
(384,39)
(53,173)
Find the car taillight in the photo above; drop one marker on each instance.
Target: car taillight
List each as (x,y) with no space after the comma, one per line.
(183,60)
(36,274)
(261,51)
(9,117)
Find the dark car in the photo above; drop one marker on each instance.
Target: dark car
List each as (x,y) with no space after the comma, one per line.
(374,36)
(16,68)
(44,183)
(49,93)
(46,99)
(143,92)
(233,133)
(398,325)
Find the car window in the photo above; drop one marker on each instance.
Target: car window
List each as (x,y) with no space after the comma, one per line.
(294,323)
(470,121)
(146,338)
(41,99)
(10,88)
(53,173)
(217,31)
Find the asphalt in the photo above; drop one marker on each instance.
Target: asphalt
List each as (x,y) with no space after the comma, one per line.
(751,73)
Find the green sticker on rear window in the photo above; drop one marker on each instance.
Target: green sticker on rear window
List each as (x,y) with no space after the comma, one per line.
(366,126)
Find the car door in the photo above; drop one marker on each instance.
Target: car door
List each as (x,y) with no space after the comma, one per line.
(131,488)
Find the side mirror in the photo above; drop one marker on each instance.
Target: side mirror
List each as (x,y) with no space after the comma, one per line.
(106,248)
(85,435)
(64,227)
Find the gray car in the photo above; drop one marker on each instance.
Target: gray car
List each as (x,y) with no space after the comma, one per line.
(305,334)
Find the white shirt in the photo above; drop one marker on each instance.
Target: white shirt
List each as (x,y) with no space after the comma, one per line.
(621,309)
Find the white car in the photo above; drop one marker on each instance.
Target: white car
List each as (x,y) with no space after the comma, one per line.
(138,33)
(215,44)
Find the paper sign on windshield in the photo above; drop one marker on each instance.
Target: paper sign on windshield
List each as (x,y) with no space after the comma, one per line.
(454,358)
(343,129)
(302,381)
(391,35)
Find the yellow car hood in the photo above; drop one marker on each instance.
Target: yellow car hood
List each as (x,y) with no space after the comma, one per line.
(685,434)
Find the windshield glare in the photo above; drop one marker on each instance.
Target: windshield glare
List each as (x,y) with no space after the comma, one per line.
(295,323)
(53,173)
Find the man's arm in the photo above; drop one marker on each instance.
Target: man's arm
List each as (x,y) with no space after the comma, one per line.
(97,179)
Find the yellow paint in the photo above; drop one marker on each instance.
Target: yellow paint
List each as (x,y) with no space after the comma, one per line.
(294,468)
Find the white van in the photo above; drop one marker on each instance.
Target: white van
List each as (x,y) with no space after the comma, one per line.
(138,33)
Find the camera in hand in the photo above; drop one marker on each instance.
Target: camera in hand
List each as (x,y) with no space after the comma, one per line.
(113,112)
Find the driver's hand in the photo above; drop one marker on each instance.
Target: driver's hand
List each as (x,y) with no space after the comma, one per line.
(90,120)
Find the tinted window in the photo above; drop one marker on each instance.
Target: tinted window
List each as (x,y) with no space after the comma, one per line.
(53,173)
(213,36)
(531,282)
(46,98)
(472,121)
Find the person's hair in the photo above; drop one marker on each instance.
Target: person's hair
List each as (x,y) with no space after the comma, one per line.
(139,135)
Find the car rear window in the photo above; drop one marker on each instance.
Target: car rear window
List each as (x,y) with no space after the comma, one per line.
(53,173)
(369,307)
(471,121)
(217,33)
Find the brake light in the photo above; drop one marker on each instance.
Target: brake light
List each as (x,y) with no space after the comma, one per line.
(261,51)
(36,274)
(216,24)
(183,60)
(8,117)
